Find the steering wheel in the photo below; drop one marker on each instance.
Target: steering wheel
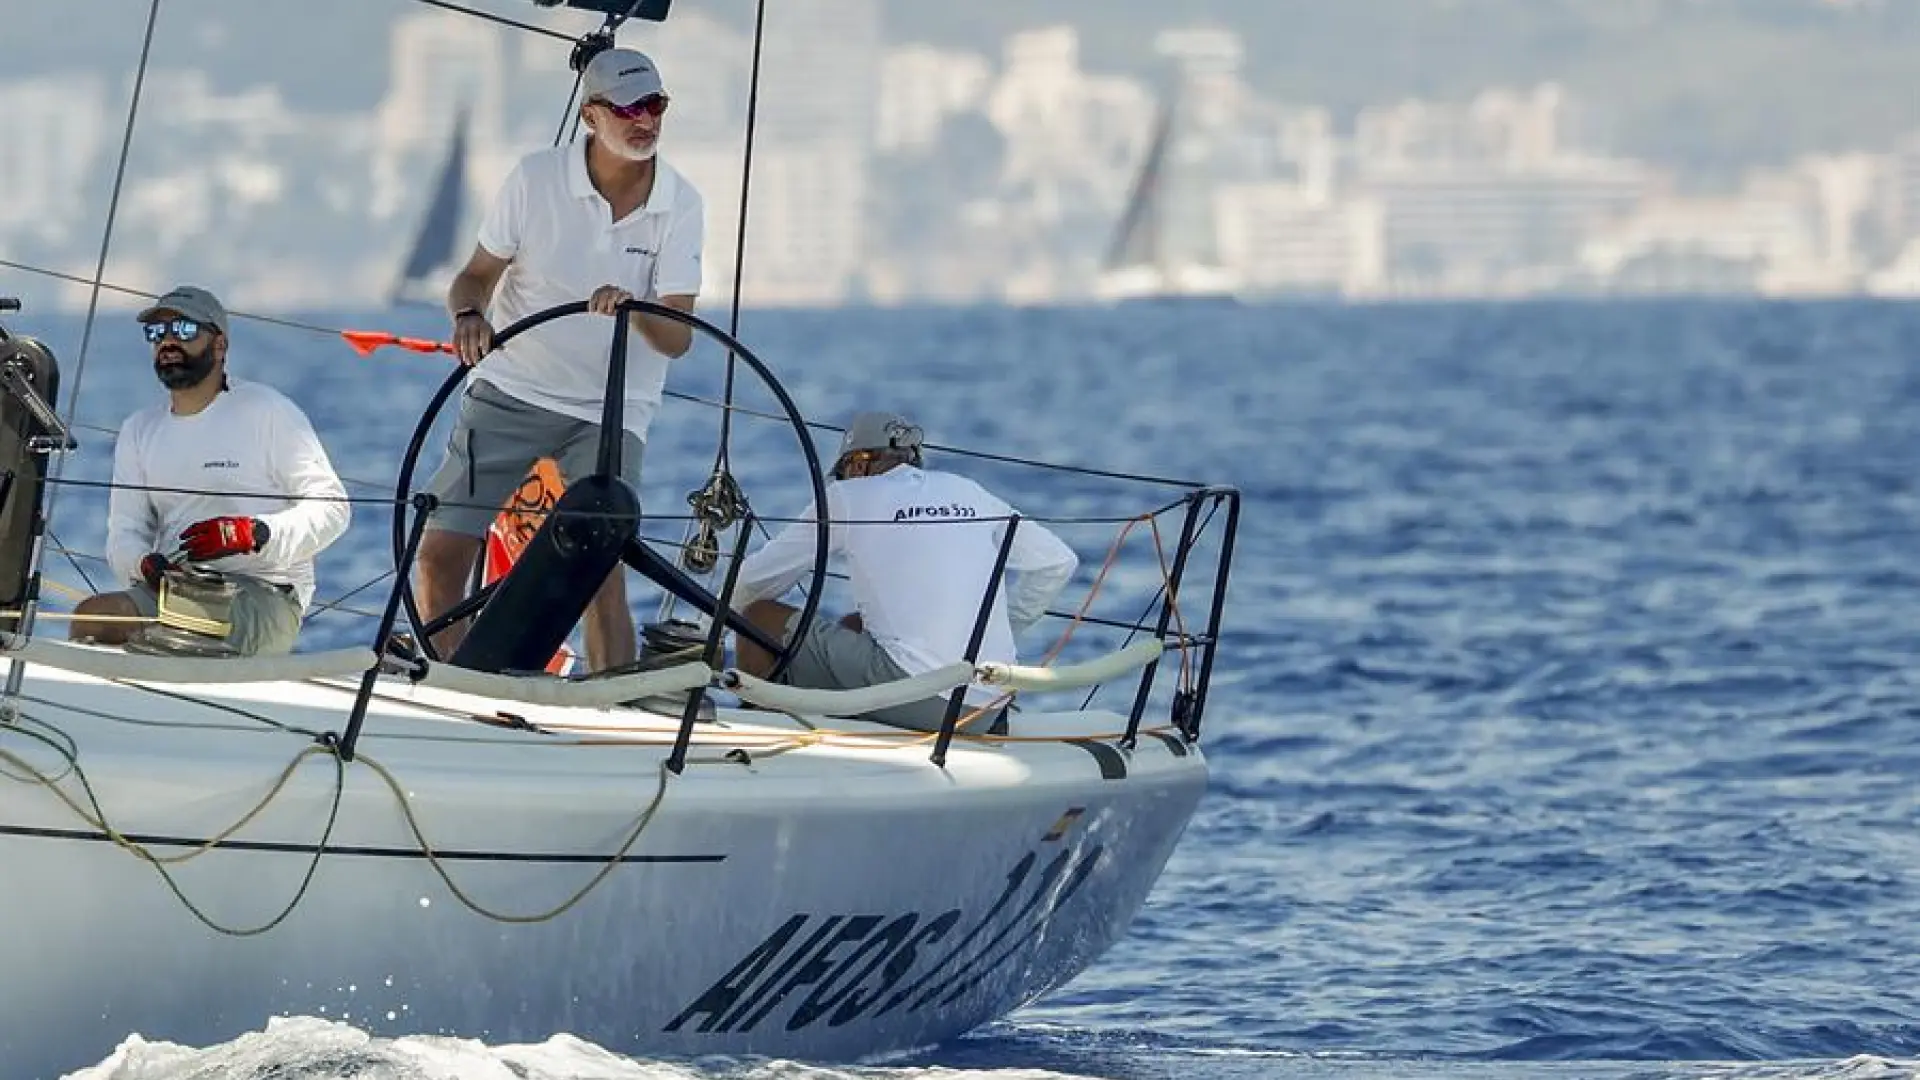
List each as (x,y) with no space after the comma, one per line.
(639,554)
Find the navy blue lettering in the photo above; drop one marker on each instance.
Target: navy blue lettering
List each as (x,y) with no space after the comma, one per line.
(1047,878)
(818,967)
(880,944)
(721,995)
(897,966)
(793,958)
(1014,877)
(1074,881)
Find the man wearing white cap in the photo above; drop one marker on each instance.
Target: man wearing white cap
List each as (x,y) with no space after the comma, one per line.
(605,220)
(919,546)
(225,474)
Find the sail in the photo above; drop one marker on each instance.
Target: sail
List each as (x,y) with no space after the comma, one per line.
(437,245)
(1137,240)
(1161,248)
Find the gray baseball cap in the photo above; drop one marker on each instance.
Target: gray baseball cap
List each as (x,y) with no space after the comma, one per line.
(622,76)
(191,301)
(880,431)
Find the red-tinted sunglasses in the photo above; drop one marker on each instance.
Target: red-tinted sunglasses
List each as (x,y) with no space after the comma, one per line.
(651,105)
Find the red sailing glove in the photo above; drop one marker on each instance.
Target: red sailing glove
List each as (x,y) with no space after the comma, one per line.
(217,538)
(153,567)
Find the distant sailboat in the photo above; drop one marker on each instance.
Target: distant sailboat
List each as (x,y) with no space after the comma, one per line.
(436,247)
(1140,263)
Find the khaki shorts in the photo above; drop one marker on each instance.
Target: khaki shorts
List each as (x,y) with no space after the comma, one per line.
(835,658)
(496,440)
(265,615)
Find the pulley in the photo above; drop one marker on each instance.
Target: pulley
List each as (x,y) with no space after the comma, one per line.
(715,508)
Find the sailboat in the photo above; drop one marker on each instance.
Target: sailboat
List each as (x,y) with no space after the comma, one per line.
(1143,260)
(436,251)
(681,859)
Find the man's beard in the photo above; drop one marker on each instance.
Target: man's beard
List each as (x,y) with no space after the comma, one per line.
(188,373)
(626,151)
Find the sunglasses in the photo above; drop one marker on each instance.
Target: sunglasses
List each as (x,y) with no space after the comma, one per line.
(183,329)
(651,105)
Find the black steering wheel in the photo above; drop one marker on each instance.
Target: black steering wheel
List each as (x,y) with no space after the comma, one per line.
(638,554)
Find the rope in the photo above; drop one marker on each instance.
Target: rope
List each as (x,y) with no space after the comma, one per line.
(98,820)
(1185,641)
(1093,590)
(95,816)
(1185,680)
(433,860)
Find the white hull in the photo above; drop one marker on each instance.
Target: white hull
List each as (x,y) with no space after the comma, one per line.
(825,901)
(1180,282)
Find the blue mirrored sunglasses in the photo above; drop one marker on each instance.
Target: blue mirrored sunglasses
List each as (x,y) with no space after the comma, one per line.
(182,329)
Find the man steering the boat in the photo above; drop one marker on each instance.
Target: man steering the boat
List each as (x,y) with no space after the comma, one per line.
(607,220)
(919,546)
(224,476)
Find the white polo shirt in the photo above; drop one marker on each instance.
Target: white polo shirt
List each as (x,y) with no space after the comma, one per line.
(919,547)
(560,234)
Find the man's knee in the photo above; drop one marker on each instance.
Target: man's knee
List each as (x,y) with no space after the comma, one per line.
(447,555)
(614,588)
(103,616)
(104,604)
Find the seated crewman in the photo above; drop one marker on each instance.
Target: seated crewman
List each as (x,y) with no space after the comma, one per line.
(919,546)
(224,474)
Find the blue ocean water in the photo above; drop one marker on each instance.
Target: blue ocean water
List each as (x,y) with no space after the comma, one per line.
(1566,723)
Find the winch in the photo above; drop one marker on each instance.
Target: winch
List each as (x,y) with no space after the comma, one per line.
(196,615)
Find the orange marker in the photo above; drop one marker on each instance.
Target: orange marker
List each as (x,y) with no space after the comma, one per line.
(365,342)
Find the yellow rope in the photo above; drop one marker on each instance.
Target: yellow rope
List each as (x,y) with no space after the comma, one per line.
(70,616)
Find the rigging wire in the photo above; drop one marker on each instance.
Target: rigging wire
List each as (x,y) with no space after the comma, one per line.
(113,211)
(489,16)
(677,395)
(16,671)
(740,231)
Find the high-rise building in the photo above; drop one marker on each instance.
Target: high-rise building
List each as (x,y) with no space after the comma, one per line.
(807,226)
(820,72)
(54,129)
(920,88)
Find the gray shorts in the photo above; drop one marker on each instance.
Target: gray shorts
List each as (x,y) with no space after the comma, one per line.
(265,615)
(835,658)
(496,440)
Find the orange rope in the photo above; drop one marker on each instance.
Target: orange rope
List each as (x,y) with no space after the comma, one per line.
(1113,553)
(831,737)
(1185,679)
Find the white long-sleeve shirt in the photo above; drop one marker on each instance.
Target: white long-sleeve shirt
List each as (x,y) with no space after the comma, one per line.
(249,441)
(919,547)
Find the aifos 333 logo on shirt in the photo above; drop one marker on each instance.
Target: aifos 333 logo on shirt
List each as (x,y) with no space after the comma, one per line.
(220,463)
(866,966)
(922,513)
